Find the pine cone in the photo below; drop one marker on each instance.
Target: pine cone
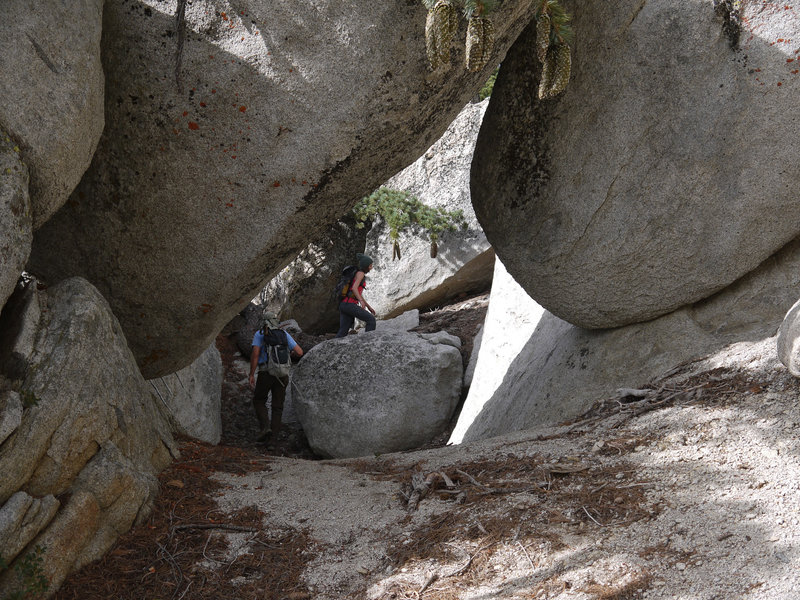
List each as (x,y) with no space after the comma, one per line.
(555,71)
(431,41)
(440,27)
(562,70)
(542,36)
(548,69)
(480,41)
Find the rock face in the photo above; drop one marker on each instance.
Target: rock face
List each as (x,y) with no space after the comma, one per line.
(51,92)
(281,116)
(562,369)
(469,372)
(193,397)
(789,340)
(641,188)
(405,322)
(378,392)
(16,230)
(90,426)
(465,260)
(511,319)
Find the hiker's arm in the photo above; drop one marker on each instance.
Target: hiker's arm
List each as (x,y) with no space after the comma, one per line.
(357,295)
(297,350)
(253,364)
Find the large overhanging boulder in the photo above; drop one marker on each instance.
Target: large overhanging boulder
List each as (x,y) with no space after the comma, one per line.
(377,392)
(51,92)
(229,148)
(79,461)
(440,177)
(662,174)
(562,370)
(464,260)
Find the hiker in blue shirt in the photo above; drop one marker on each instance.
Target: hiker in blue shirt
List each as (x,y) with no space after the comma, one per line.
(353,306)
(267,382)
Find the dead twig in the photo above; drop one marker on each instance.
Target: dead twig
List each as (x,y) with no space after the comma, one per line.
(633,485)
(215,526)
(466,565)
(470,478)
(528,556)
(498,491)
(431,578)
(177,570)
(186,590)
(591,517)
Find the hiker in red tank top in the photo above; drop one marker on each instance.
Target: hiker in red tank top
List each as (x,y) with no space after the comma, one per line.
(353,306)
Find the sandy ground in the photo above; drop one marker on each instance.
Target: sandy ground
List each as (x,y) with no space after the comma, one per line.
(690,492)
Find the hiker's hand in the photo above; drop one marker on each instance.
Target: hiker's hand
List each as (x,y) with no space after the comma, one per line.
(252,382)
(370,309)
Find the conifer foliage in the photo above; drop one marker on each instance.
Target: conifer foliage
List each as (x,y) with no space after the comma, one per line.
(401,211)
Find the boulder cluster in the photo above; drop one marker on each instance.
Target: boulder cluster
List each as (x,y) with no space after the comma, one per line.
(166,167)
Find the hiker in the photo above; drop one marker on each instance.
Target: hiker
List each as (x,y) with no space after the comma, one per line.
(353,306)
(267,382)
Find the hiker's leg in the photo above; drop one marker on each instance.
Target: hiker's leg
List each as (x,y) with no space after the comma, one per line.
(369,319)
(346,318)
(364,315)
(278,397)
(260,401)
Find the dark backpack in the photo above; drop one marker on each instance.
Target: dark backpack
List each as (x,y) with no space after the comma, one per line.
(343,286)
(276,345)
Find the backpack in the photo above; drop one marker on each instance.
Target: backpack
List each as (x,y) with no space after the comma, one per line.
(276,344)
(342,290)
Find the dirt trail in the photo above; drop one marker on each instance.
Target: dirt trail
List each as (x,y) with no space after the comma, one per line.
(689,493)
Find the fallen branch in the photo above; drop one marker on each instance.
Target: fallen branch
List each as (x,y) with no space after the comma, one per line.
(633,393)
(421,486)
(447,481)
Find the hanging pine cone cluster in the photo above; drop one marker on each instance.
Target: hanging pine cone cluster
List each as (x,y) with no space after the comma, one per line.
(552,49)
(442,23)
(480,42)
(440,27)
